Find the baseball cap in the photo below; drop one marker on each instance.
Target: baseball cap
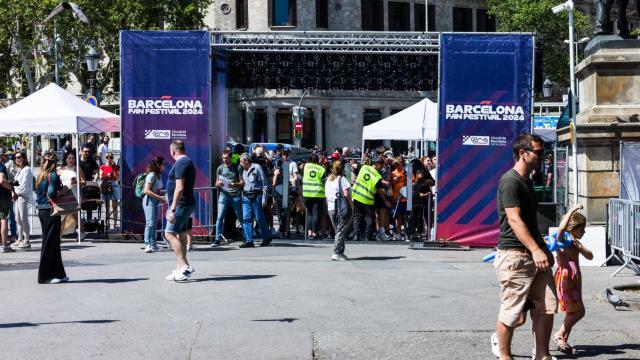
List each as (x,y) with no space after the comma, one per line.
(335,156)
(388,153)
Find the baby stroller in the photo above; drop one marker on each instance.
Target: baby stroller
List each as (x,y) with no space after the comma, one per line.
(91,202)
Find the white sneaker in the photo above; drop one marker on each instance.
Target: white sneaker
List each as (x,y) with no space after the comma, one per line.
(495,345)
(185,273)
(172,276)
(148,249)
(339,257)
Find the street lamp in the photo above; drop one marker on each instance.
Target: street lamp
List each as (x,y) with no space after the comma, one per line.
(78,13)
(92,57)
(568,6)
(547,87)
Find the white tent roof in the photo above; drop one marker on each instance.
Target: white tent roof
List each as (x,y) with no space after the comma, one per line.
(408,124)
(53,110)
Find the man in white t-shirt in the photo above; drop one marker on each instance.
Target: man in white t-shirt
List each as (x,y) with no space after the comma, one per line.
(103,149)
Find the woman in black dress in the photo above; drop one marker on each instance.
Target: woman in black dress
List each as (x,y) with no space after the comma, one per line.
(48,185)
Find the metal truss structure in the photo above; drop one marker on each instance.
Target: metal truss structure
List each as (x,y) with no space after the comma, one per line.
(329,60)
(342,42)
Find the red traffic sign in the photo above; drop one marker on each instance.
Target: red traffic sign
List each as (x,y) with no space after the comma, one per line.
(298,126)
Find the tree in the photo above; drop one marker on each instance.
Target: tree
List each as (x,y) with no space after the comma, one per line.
(26,43)
(551,30)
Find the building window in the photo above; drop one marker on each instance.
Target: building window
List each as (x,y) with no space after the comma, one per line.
(372,15)
(419,17)
(462,19)
(242,14)
(260,126)
(322,14)
(282,12)
(243,118)
(399,16)
(284,130)
(484,21)
(370,116)
(308,129)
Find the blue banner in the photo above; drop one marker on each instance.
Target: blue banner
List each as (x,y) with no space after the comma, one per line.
(165,95)
(484,103)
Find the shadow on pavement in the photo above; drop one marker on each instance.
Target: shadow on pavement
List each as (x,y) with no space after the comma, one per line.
(67,247)
(28,324)
(376,258)
(294,245)
(106,281)
(209,248)
(233,277)
(587,351)
(288,320)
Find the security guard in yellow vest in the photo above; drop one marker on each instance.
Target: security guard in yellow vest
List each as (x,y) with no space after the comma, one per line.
(364,190)
(313,194)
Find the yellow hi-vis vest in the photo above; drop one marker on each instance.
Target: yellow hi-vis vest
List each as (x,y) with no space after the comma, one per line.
(365,187)
(312,186)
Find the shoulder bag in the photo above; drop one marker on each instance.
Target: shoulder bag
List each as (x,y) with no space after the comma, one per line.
(63,205)
(342,208)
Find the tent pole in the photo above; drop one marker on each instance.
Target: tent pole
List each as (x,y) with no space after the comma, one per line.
(77,146)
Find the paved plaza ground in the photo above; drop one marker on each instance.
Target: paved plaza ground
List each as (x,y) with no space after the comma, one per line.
(288,301)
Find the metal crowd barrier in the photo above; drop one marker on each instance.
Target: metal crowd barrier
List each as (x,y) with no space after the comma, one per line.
(624,234)
(206,205)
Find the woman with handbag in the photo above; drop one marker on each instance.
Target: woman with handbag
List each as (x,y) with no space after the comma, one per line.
(109,174)
(339,205)
(49,188)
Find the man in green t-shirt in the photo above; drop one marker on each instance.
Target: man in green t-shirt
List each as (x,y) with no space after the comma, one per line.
(230,186)
(523,262)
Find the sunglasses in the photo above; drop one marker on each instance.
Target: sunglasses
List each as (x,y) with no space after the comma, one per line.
(108,157)
(18,157)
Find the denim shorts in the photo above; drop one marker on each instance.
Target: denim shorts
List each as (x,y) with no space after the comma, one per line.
(181,224)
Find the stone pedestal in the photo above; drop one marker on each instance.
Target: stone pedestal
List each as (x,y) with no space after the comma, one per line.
(609,103)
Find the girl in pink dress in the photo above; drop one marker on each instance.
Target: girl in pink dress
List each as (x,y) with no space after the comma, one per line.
(568,277)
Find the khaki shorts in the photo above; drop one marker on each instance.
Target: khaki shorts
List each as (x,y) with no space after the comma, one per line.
(519,281)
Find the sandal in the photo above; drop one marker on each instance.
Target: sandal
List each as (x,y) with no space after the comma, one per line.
(563,345)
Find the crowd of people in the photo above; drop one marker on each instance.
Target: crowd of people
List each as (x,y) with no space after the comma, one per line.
(374,188)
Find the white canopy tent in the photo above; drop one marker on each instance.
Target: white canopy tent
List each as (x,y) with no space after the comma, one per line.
(418,122)
(53,110)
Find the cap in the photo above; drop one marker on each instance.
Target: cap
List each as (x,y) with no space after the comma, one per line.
(388,153)
(335,156)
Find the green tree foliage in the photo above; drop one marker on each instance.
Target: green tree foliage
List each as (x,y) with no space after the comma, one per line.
(26,43)
(550,29)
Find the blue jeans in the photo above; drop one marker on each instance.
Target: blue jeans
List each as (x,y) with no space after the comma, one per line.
(150,218)
(182,221)
(251,208)
(224,201)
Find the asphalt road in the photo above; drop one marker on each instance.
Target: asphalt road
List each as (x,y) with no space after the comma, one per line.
(282,302)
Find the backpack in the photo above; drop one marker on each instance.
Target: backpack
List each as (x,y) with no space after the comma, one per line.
(138,185)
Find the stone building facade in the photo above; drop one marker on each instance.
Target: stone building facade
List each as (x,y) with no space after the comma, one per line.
(334,118)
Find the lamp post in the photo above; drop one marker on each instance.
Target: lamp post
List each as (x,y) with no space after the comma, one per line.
(577,44)
(92,57)
(79,14)
(568,6)
(298,117)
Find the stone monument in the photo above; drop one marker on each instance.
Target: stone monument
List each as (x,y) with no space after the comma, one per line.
(609,111)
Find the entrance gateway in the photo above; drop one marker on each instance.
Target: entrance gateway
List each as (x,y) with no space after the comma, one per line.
(192,66)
